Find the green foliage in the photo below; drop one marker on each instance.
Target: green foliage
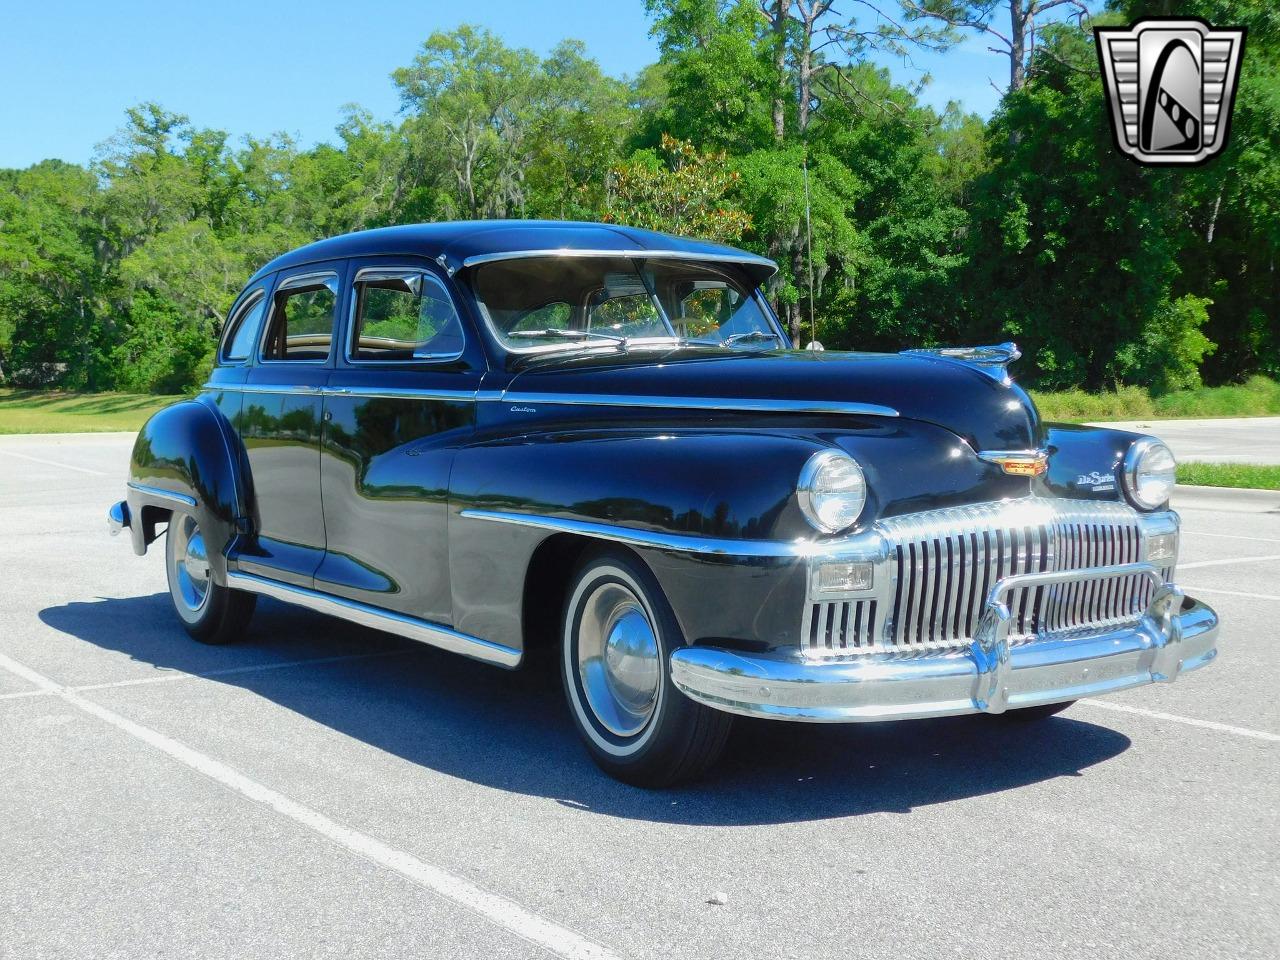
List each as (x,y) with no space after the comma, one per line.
(763,125)
(682,191)
(1249,476)
(1256,397)
(51,411)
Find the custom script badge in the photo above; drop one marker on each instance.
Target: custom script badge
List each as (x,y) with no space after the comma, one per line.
(1171,84)
(1096,481)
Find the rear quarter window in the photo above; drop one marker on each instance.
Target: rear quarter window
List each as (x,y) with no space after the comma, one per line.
(243,328)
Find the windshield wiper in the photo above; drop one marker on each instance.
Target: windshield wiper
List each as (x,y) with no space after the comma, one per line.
(551,334)
(736,338)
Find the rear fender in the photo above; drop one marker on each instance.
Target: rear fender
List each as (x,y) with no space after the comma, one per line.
(187,458)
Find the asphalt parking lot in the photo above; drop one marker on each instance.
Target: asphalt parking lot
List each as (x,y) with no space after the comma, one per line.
(1224,440)
(326,791)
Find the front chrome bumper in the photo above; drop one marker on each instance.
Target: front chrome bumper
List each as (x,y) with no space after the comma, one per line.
(1175,635)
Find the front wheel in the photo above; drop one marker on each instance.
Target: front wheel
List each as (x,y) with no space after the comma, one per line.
(617,637)
(209,612)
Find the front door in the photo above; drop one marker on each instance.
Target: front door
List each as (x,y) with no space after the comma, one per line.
(401,399)
(280,423)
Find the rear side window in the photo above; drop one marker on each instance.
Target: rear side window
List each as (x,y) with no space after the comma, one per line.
(405,316)
(244,327)
(302,319)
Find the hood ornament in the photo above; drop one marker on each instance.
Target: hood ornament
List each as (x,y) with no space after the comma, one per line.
(992,360)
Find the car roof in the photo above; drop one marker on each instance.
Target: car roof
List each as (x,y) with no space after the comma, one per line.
(460,244)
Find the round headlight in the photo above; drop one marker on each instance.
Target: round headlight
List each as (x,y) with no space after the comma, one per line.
(1149,470)
(832,490)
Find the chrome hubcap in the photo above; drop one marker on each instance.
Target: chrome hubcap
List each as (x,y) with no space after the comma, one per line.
(618,660)
(190,563)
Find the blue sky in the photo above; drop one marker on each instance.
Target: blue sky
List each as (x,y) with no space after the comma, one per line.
(69,68)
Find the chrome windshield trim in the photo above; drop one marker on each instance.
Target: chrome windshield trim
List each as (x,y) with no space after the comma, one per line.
(161,493)
(683,542)
(744,258)
(400,624)
(742,404)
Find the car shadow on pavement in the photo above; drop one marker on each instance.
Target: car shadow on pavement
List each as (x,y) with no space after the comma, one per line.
(511,731)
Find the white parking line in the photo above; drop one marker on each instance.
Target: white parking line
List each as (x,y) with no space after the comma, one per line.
(1230,593)
(251,668)
(1189,721)
(170,676)
(499,910)
(1231,536)
(54,463)
(1227,562)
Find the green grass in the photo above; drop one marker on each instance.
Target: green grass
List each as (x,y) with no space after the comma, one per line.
(1246,475)
(47,411)
(1258,397)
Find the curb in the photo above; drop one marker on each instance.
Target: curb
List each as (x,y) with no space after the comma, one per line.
(1227,498)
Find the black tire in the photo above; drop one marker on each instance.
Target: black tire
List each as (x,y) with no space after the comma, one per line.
(674,739)
(1030,714)
(209,612)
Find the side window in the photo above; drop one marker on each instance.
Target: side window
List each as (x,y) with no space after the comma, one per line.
(302,319)
(243,329)
(403,316)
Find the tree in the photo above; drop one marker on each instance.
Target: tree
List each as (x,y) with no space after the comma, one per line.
(1074,250)
(49,306)
(678,190)
(469,97)
(1017,41)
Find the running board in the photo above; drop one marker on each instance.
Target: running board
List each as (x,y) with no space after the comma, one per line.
(362,613)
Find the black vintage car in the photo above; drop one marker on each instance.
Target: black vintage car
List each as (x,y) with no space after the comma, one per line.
(496,436)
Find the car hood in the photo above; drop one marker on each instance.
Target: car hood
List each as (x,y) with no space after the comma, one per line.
(987,412)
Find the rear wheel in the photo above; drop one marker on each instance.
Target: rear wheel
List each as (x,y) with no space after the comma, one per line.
(618,634)
(209,612)
(1041,712)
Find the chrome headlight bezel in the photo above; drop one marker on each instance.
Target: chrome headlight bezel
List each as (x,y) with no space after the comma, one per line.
(815,501)
(1137,460)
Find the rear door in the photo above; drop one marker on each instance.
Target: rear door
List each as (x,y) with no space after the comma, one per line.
(280,422)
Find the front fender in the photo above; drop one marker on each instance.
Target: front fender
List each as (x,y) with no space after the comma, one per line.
(734,485)
(1085,462)
(722,484)
(186,458)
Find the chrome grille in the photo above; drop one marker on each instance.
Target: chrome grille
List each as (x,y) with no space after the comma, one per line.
(943,564)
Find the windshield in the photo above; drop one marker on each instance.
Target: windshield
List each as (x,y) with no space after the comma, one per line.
(550,303)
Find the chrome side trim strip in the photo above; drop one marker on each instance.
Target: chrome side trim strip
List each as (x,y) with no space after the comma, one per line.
(749,405)
(161,493)
(398,623)
(747,258)
(290,388)
(743,405)
(685,543)
(398,394)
